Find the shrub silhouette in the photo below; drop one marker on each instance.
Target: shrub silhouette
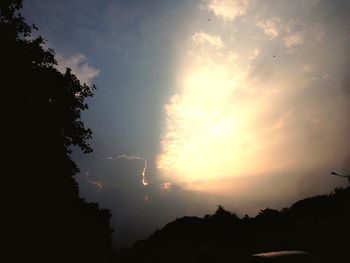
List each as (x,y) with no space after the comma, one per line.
(49,222)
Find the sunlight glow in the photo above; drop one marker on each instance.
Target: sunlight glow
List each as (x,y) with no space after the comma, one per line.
(247,103)
(207,134)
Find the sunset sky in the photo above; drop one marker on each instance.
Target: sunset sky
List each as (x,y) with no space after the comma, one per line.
(243,103)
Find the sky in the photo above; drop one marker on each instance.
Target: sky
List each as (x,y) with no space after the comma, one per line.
(200,103)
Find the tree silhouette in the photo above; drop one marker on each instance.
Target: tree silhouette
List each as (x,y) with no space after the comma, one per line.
(318,225)
(42,123)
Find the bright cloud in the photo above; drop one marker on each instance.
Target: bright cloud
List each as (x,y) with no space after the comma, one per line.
(79,66)
(270,26)
(292,41)
(256,53)
(232,56)
(228,10)
(203,129)
(202,38)
(233,115)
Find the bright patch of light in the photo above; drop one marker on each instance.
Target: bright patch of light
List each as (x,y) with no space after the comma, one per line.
(207,134)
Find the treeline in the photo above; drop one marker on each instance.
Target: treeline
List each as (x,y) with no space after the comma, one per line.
(319,225)
(47,221)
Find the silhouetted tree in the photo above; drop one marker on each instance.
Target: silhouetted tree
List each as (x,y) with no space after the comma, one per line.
(318,225)
(42,122)
(267,213)
(221,212)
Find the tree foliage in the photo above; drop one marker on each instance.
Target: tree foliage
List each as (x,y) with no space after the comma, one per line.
(43,122)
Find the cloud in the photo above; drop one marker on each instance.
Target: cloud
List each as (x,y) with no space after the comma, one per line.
(108,158)
(255,54)
(270,26)
(96,183)
(221,119)
(232,56)
(202,38)
(127,157)
(165,186)
(299,32)
(228,10)
(318,32)
(308,68)
(79,66)
(292,41)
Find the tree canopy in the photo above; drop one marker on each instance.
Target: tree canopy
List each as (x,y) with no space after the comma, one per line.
(43,122)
